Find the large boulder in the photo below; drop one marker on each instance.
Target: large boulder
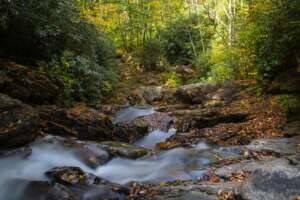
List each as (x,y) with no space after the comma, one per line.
(85,123)
(28,85)
(19,124)
(200,93)
(132,130)
(151,94)
(38,190)
(83,184)
(81,122)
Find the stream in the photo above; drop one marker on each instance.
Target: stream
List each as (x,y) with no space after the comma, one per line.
(170,165)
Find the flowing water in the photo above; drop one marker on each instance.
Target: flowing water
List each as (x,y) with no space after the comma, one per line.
(155,137)
(130,113)
(175,164)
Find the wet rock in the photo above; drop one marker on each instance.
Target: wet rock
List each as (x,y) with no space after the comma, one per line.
(19,124)
(159,121)
(272,185)
(69,175)
(28,85)
(170,145)
(42,190)
(282,146)
(91,155)
(124,150)
(81,122)
(131,131)
(201,93)
(85,185)
(85,123)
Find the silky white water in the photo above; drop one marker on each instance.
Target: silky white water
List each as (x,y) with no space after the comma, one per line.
(155,137)
(130,113)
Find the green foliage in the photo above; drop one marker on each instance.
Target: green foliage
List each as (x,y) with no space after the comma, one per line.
(290,103)
(184,39)
(173,80)
(85,80)
(55,33)
(272,37)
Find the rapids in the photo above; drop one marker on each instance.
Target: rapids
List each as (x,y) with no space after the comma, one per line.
(175,164)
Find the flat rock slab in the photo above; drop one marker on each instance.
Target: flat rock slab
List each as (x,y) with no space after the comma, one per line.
(251,166)
(192,190)
(275,185)
(282,146)
(269,180)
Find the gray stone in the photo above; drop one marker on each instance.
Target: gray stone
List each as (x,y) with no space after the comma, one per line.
(272,185)
(268,165)
(282,146)
(123,150)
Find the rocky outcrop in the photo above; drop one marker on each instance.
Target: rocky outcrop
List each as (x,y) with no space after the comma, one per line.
(201,93)
(198,119)
(282,146)
(272,185)
(198,93)
(27,85)
(123,150)
(66,183)
(41,190)
(85,123)
(83,184)
(151,94)
(19,124)
(131,131)
(80,122)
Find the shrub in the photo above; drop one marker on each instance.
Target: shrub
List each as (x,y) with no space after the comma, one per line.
(56,34)
(173,80)
(85,80)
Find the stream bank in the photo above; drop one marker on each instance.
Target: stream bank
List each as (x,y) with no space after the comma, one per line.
(199,141)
